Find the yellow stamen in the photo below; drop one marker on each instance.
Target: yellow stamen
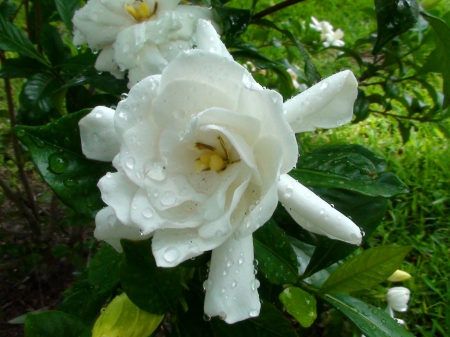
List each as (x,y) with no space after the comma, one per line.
(140,12)
(205,158)
(200,167)
(216,163)
(144,11)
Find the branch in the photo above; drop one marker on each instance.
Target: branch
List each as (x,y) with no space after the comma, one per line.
(275,8)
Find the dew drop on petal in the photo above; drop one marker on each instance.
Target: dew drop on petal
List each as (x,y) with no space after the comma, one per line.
(289,190)
(171,254)
(206,317)
(130,163)
(111,219)
(234,284)
(147,213)
(222,315)
(168,198)
(99,114)
(253,313)
(324,85)
(208,285)
(241,260)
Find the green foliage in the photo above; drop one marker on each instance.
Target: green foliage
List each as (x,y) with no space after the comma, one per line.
(371,321)
(300,304)
(53,324)
(277,258)
(104,269)
(155,290)
(66,9)
(365,270)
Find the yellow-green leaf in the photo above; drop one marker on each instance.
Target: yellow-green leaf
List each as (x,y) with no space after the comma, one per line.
(300,304)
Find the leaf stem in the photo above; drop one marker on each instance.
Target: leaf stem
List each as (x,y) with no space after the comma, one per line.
(275,8)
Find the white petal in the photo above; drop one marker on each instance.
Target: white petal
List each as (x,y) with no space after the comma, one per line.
(108,228)
(99,140)
(263,199)
(138,106)
(105,62)
(231,288)
(320,216)
(167,5)
(118,191)
(267,106)
(398,298)
(328,104)
(209,40)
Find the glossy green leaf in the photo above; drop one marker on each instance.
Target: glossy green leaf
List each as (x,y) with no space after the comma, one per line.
(269,323)
(7,9)
(104,269)
(361,107)
(12,39)
(52,44)
(151,288)
(234,20)
(372,321)
(366,212)
(277,260)
(122,318)
(300,304)
(394,17)
(55,150)
(20,67)
(66,10)
(350,167)
(53,324)
(365,270)
(84,304)
(312,75)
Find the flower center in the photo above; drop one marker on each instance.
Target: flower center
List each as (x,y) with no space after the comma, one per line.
(140,10)
(211,159)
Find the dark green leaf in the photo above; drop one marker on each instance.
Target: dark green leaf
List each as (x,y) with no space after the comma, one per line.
(278,261)
(394,17)
(55,150)
(361,107)
(84,305)
(366,212)
(53,45)
(312,75)
(151,288)
(365,270)
(350,167)
(104,269)
(66,9)
(234,20)
(53,324)
(405,131)
(12,39)
(7,9)
(371,321)
(21,67)
(300,304)
(269,323)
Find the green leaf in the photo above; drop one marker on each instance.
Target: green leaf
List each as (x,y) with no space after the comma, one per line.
(405,131)
(365,270)
(52,44)
(53,324)
(66,10)
(269,323)
(84,304)
(7,9)
(300,304)
(234,20)
(12,39)
(153,289)
(366,212)
(37,91)
(351,167)
(394,17)
(104,269)
(361,107)
(278,261)
(21,67)
(55,150)
(371,321)
(312,75)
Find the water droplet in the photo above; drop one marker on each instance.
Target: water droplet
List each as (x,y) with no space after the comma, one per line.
(130,163)
(230,263)
(156,170)
(322,211)
(111,219)
(324,85)
(234,284)
(168,198)
(38,142)
(332,205)
(241,260)
(254,284)
(57,163)
(253,313)
(208,285)
(171,254)
(123,96)
(222,315)
(99,114)
(288,191)
(147,213)
(69,182)
(353,236)
(206,317)
(20,132)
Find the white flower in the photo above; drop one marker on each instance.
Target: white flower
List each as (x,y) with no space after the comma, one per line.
(140,36)
(397,298)
(327,35)
(202,153)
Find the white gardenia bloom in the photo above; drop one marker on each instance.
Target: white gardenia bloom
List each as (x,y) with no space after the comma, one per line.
(334,39)
(140,36)
(202,153)
(398,298)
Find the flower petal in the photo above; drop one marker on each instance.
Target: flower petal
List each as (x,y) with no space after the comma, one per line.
(209,40)
(328,104)
(105,62)
(118,191)
(398,298)
(320,217)
(231,288)
(99,140)
(108,228)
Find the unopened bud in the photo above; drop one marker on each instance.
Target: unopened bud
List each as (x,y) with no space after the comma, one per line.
(399,276)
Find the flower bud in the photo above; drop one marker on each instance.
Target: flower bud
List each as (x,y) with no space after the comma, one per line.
(398,298)
(123,318)
(399,276)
